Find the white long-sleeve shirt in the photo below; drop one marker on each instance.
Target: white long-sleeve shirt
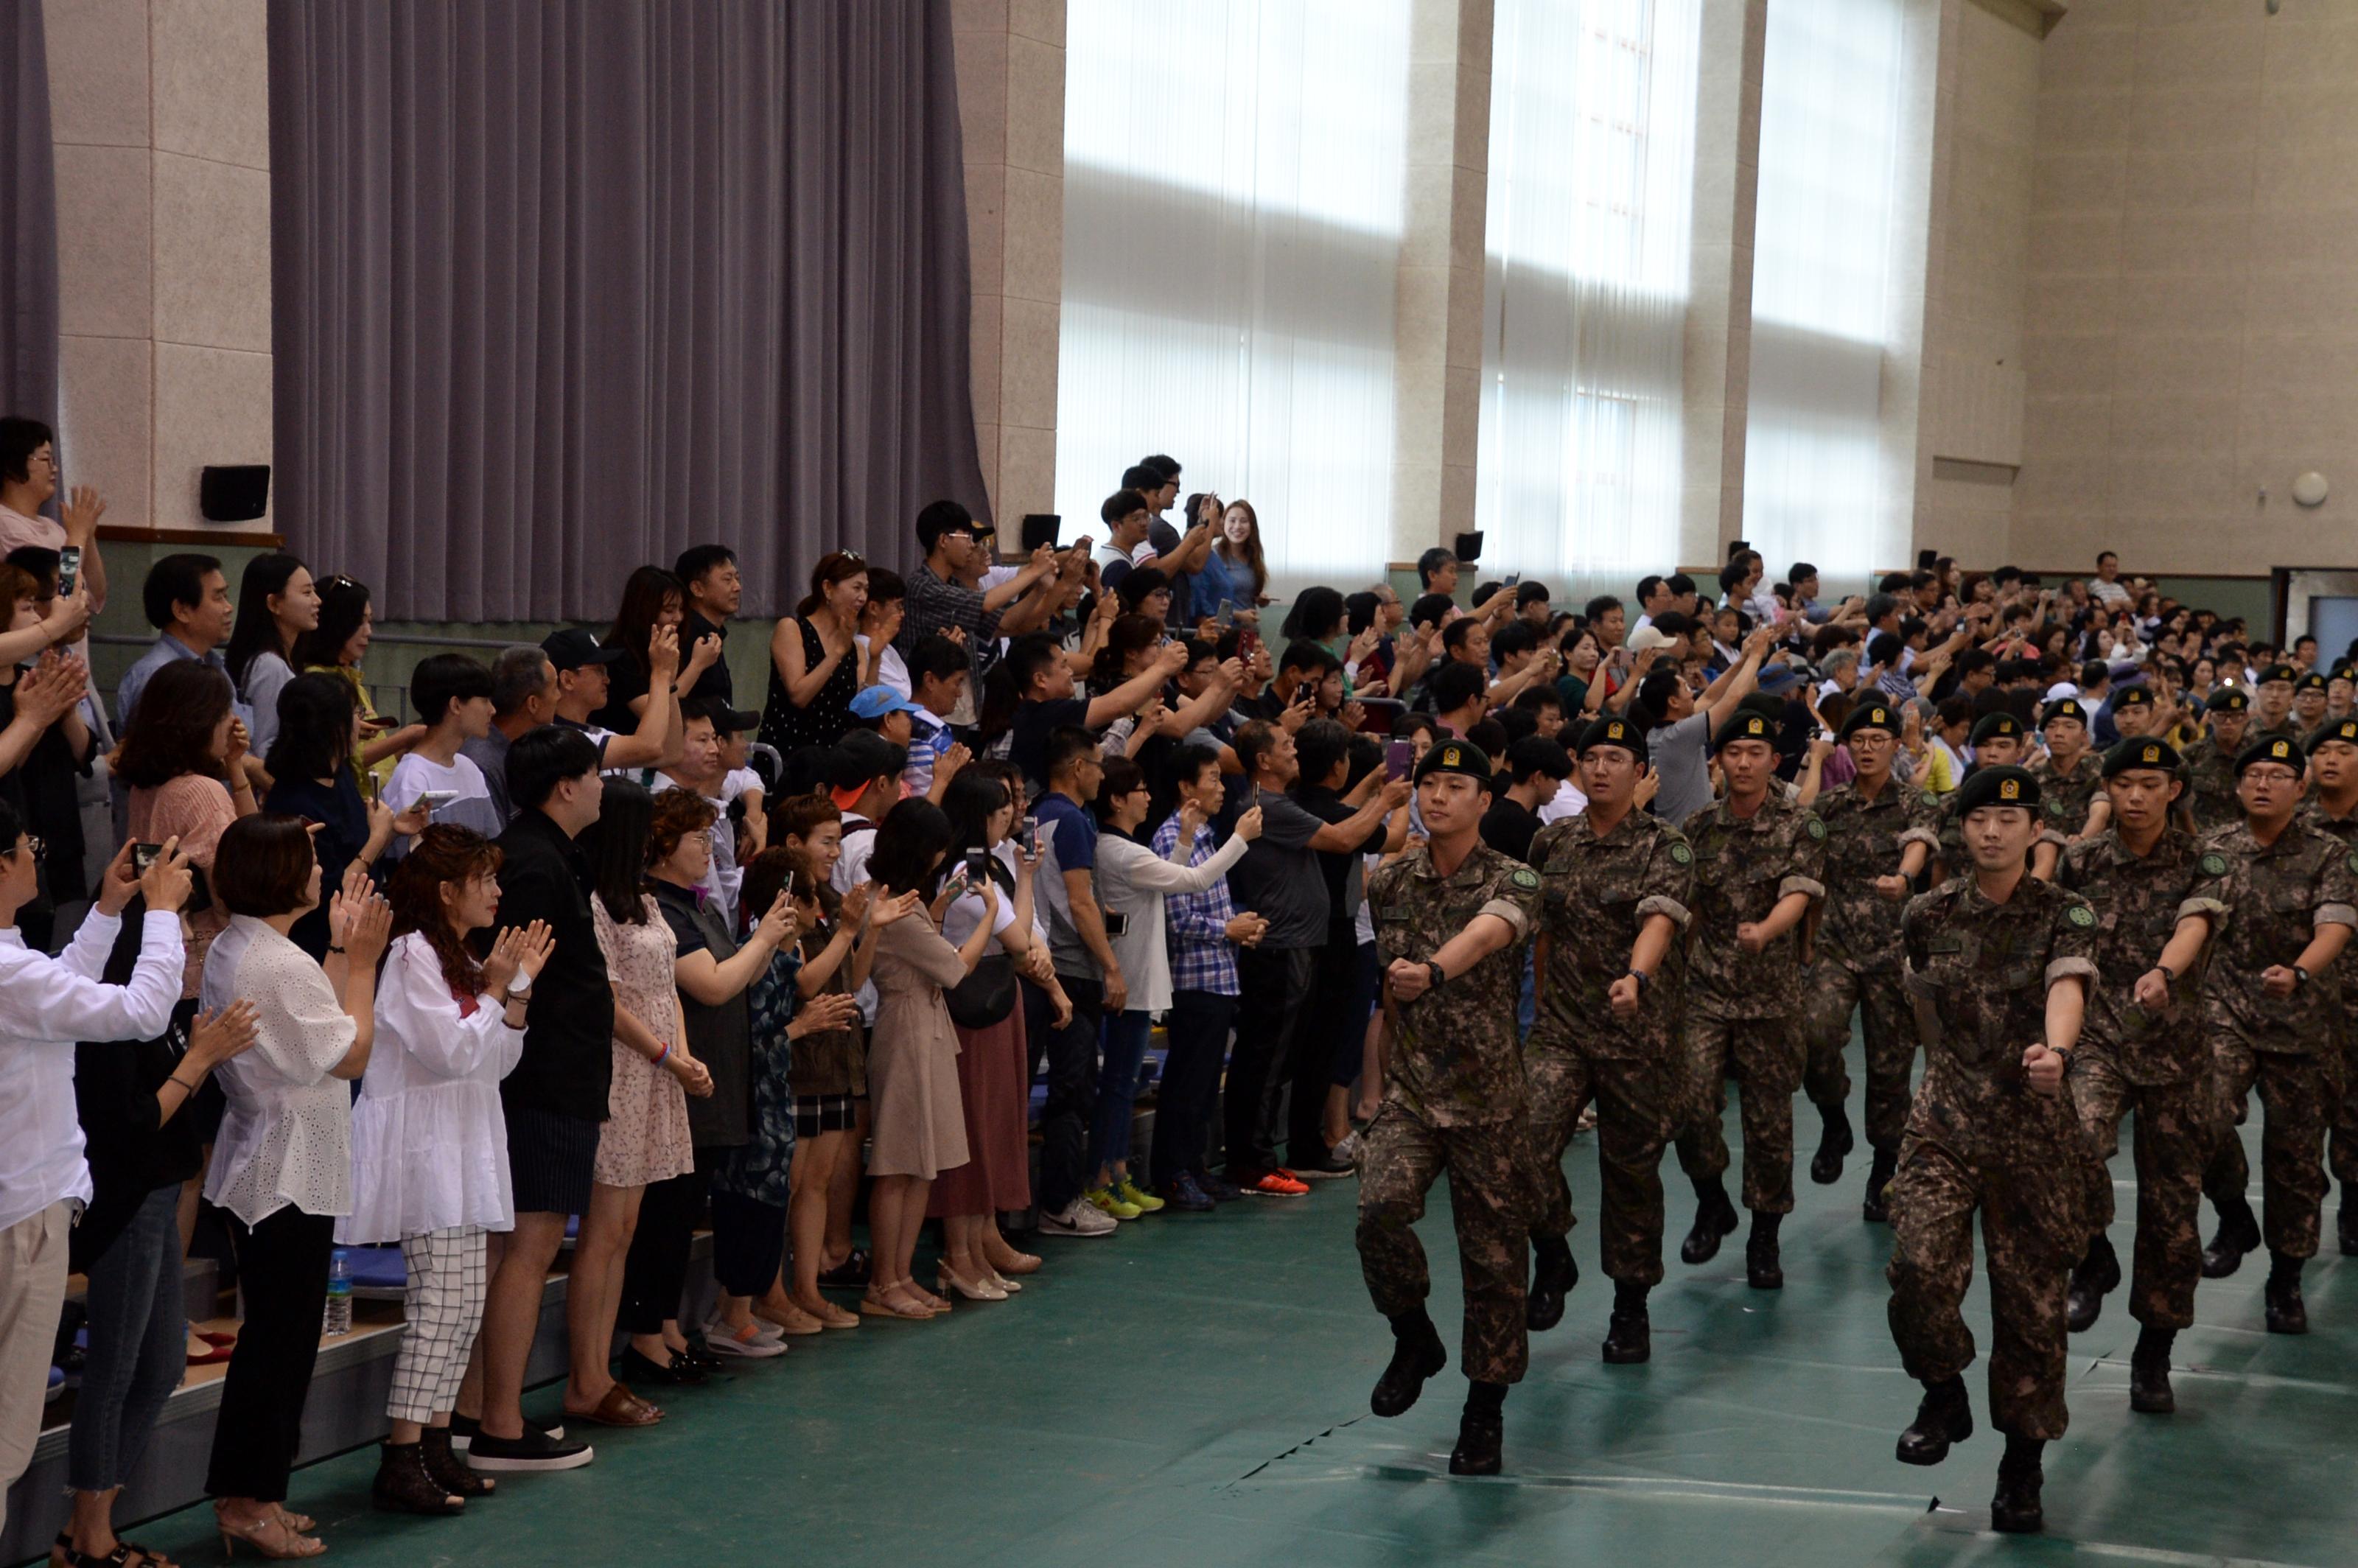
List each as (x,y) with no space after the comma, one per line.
(1131,880)
(46,1005)
(286,1137)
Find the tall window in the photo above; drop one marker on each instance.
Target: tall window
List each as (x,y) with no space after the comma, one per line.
(1820,291)
(1233,181)
(1592,168)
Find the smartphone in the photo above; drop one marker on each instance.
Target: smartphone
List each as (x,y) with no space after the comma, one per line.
(434,800)
(978,864)
(1029,836)
(69,570)
(1041,528)
(1927,560)
(1400,757)
(1227,614)
(1513,579)
(143,855)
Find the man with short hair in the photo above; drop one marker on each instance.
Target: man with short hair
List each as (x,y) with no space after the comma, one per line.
(2071,781)
(2211,770)
(1535,769)
(2272,706)
(713,589)
(187,601)
(1460,695)
(581,689)
(1082,951)
(1450,915)
(1437,572)
(938,597)
(451,695)
(937,683)
(1653,598)
(2157,893)
(1680,726)
(1045,685)
(2308,704)
(1607,619)
(524,696)
(1125,515)
(2106,586)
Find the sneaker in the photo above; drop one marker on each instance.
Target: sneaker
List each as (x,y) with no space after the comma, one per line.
(1138,1197)
(1105,1202)
(533,1450)
(1219,1189)
(1278,1184)
(1347,1150)
(1076,1218)
(749,1343)
(464,1429)
(1329,1168)
(1181,1194)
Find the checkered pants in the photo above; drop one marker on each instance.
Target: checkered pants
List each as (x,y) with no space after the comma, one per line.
(444,1309)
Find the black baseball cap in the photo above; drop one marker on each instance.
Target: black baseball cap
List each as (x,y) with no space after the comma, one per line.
(572,648)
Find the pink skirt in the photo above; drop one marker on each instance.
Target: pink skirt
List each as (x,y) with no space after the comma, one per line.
(994,1071)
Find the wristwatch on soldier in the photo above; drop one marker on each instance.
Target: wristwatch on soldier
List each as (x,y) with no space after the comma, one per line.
(2300,976)
(1643,980)
(1434,974)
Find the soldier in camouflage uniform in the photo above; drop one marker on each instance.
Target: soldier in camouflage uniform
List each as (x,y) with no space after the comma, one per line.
(1997,966)
(1997,741)
(1450,919)
(2272,707)
(2155,892)
(2273,1006)
(2071,782)
(2135,713)
(2210,769)
(1879,835)
(2333,808)
(1614,884)
(1759,864)
(2309,705)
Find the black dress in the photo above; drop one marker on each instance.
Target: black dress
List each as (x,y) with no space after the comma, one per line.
(823,722)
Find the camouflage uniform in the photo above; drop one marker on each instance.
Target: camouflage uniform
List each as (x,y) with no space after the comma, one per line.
(1979,1137)
(1858,953)
(1598,892)
(1949,824)
(2210,785)
(2256,731)
(1744,1010)
(2278,896)
(2159,1064)
(2065,797)
(1456,1099)
(2345,1145)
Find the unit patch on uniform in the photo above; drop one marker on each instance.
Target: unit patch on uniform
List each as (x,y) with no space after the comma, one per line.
(2215,864)
(1681,856)
(1817,830)
(1525,878)
(2084,917)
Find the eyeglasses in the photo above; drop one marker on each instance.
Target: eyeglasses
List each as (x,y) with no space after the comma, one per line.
(34,846)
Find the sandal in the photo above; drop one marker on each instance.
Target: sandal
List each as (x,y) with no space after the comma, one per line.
(830,1316)
(793,1322)
(619,1408)
(976,1290)
(873,1306)
(270,1535)
(853,1270)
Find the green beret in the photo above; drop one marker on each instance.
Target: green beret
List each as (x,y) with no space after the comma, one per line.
(2342,671)
(2275,749)
(1998,786)
(1456,757)
(1610,731)
(2062,708)
(2131,696)
(2312,681)
(2141,754)
(2275,672)
(1996,727)
(1871,716)
(1744,726)
(2343,730)
(2230,699)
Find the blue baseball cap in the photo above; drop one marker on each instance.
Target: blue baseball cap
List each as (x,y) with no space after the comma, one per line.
(876,701)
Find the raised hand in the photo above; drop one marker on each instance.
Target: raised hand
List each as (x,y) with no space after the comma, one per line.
(883,912)
(368,927)
(79,512)
(779,923)
(854,907)
(165,882)
(663,654)
(117,882)
(1248,824)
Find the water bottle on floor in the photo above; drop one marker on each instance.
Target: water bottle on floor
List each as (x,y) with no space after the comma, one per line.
(338,1318)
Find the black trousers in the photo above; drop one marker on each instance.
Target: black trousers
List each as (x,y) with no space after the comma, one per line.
(1330,1023)
(1070,1056)
(654,1273)
(1198,1026)
(1276,984)
(748,1242)
(282,1269)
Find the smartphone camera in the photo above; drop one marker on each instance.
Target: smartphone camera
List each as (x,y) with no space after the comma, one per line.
(978,864)
(143,855)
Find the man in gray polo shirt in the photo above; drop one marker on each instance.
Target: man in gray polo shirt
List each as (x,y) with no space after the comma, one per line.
(1681,725)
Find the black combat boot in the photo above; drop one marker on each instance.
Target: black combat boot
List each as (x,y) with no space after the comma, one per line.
(2345,1223)
(2149,1392)
(2015,1509)
(1945,1416)
(1481,1431)
(1554,1273)
(1876,1210)
(1417,1354)
(1715,1218)
(2099,1271)
(2285,1312)
(1630,1339)
(2238,1233)
(1826,1166)
(1762,1268)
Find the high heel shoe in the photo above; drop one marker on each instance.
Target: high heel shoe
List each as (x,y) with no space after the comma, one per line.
(1003,1281)
(270,1536)
(948,1279)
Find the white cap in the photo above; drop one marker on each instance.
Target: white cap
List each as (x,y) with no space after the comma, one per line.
(1646,637)
(2060,690)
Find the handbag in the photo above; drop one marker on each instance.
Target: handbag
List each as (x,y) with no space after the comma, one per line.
(986,996)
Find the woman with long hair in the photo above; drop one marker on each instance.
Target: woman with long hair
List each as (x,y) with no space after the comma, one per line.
(1235,568)
(448,1028)
(815,657)
(918,1131)
(277,603)
(282,1168)
(645,1138)
(652,598)
(994,1062)
(335,646)
(183,760)
(310,768)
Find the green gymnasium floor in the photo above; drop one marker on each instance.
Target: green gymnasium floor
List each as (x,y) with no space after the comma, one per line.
(1194,1392)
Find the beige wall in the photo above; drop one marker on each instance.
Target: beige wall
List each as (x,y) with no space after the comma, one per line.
(2194,300)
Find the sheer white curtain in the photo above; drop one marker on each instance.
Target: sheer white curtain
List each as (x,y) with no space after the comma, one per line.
(1592,167)
(1233,181)
(1829,144)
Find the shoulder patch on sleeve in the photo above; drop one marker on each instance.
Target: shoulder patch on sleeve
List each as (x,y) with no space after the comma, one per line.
(2353,859)
(1525,878)
(2214,864)
(1931,797)
(1681,855)
(1814,829)
(2082,917)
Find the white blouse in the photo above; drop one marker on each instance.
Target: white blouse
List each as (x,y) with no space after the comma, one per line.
(288,1136)
(429,1145)
(1131,880)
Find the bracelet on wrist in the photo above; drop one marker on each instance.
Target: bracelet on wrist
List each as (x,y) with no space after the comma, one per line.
(334,947)
(664,1055)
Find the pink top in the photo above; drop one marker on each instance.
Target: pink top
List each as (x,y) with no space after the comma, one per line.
(196,809)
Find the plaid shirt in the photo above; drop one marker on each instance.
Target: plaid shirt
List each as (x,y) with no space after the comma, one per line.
(929,739)
(933,606)
(1202,956)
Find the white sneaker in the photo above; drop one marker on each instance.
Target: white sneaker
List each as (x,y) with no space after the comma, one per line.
(765,1331)
(722,1341)
(1079,1217)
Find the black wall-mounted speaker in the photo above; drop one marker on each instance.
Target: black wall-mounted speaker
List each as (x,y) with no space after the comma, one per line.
(236,493)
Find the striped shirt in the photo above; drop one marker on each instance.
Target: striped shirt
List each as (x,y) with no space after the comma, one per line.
(1196,924)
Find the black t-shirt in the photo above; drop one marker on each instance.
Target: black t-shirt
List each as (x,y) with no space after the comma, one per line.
(1344,871)
(626,682)
(715,681)
(568,1030)
(1033,720)
(1510,828)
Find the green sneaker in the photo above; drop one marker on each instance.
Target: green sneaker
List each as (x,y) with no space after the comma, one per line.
(1138,1197)
(1107,1203)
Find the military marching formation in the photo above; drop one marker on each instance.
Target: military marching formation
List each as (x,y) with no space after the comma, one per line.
(2063,945)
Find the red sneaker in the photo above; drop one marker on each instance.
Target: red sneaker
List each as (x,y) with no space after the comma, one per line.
(1278,1184)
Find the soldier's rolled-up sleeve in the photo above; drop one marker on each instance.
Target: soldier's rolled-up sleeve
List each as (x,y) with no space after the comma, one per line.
(2074,950)
(1807,874)
(1517,917)
(1669,883)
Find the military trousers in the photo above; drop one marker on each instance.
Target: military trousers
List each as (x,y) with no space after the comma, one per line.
(2300,1096)
(1933,1199)
(1489,1185)
(1887,1022)
(2344,1145)
(1764,1056)
(1633,1096)
(2172,1139)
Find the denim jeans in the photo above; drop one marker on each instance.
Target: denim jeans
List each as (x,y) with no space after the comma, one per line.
(138,1345)
(1198,1026)
(1125,1048)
